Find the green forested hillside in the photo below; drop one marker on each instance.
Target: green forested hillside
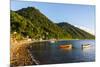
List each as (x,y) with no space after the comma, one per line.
(74,32)
(22,26)
(32,23)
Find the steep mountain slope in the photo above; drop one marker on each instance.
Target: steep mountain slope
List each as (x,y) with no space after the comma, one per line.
(43,27)
(32,23)
(22,26)
(74,32)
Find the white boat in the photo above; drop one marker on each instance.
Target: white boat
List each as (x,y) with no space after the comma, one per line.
(52,41)
(86,46)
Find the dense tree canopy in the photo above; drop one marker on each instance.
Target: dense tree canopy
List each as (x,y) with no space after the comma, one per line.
(32,23)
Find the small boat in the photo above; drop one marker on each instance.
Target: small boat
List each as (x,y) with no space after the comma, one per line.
(86,45)
(52,41)
(68,46)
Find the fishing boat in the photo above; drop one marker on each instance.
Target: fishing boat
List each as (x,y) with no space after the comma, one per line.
(67,46)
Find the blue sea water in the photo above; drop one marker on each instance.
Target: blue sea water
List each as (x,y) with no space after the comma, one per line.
(50,53)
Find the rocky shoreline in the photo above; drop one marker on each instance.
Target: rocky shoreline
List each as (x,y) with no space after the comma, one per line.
(19,55)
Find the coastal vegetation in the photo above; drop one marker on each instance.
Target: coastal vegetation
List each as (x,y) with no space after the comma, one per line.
(31,23)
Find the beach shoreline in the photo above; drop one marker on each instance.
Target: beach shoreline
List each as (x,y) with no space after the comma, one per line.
(19,55)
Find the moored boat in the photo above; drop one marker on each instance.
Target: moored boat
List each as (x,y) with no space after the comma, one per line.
(67,46)
(86,46)
(52,41)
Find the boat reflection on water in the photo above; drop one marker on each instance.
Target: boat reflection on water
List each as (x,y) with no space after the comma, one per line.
(65,49)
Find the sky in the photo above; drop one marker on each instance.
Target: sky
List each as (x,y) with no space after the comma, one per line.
(82,16)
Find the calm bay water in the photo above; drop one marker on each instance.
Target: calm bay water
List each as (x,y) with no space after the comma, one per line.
(50,53)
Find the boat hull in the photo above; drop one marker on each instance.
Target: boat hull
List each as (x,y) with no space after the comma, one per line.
(66,46)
